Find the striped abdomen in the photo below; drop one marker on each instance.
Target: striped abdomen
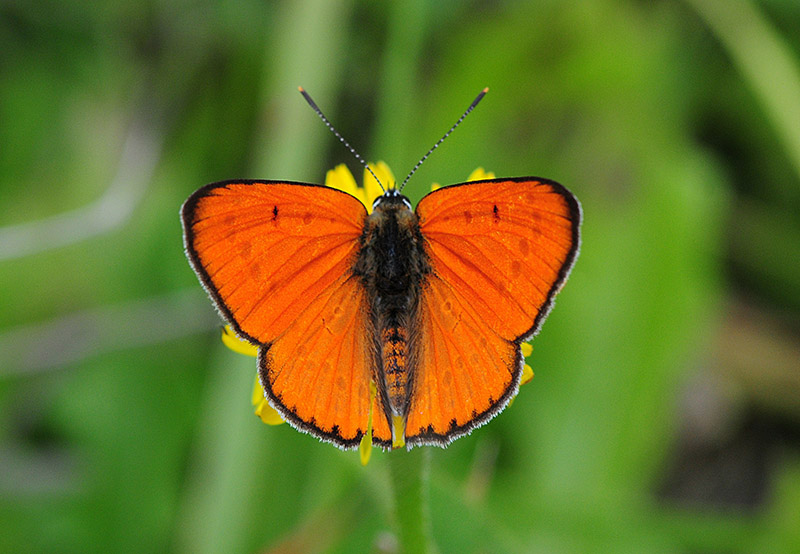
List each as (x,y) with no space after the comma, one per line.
(395,367)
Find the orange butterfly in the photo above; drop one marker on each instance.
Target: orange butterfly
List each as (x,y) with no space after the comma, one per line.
(427,307)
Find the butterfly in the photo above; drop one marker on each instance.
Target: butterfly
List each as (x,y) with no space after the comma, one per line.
(401,323)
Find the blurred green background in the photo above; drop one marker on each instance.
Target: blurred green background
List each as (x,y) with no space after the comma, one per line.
(665,412)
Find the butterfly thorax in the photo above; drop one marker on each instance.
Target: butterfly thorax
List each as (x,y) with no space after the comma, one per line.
(392,265)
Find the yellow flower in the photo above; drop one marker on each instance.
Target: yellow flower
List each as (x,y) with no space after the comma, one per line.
(477,175)
(527,371)
(232,341)
(267,413)
(340,178)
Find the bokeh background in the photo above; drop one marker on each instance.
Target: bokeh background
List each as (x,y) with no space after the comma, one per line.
(665,411)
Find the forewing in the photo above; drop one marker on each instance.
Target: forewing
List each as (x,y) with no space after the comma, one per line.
(504,246)
(264,250)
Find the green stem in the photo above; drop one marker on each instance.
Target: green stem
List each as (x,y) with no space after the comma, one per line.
(409,473)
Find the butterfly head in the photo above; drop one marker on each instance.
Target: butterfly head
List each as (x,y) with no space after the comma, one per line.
(391,198)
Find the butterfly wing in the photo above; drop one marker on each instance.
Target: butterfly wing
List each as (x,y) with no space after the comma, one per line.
(277,259)
(317,373)
(499,250)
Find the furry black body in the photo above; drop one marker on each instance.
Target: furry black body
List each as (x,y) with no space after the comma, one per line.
(393,265)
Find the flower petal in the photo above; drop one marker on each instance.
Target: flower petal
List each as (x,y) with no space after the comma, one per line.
(267,413)
(365,446)
(371,186)
(479,174)
(232,341)
(340,178)
(398,431)
(258,392)
(527,374)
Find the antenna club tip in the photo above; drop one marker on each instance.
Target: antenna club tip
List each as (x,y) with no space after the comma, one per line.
(485,90)
(301,89)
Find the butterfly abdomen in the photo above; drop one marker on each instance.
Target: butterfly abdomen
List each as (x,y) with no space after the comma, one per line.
(394,355)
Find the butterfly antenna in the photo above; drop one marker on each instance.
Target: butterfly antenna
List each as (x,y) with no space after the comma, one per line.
(447,134)
(340,137)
